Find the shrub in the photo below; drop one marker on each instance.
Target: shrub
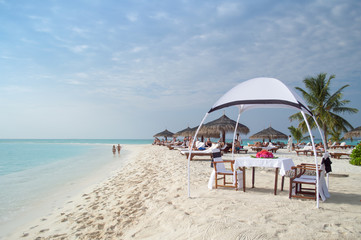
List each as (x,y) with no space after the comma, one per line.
(355,157)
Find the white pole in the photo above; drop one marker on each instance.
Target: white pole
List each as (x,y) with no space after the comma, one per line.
(324,144)
(234,135)
(315,154)
(189,156)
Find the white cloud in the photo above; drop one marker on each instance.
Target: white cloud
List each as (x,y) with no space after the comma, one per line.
(78,48)
(80,31)
(137,49)
(132,17)
(41,24)
(229,9)
(81,75)
(160,16)
(74,82)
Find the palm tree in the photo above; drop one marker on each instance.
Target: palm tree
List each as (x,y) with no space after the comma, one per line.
(297,134)
(324,105)
(335,136)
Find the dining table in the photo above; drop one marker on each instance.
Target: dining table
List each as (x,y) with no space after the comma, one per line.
(281,166)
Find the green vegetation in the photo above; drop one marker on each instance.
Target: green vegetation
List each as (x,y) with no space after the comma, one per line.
(326,106)
(297,134)
(355,157)
(336,136)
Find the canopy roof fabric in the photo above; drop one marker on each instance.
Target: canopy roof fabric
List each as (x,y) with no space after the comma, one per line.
(269,133)
(356,132)
(261,92)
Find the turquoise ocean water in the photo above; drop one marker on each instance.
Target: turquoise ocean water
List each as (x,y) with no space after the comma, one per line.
(34,171)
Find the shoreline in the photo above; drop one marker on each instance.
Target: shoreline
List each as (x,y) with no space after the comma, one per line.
(59,197)
(147,199)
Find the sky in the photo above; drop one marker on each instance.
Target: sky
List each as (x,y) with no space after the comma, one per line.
(130,69)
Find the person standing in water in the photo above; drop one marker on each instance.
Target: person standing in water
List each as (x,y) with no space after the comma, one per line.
(114,150)
(118,148)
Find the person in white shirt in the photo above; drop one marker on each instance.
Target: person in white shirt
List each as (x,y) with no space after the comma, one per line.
(289,144)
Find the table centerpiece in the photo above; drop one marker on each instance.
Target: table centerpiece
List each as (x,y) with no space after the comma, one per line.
(264,154)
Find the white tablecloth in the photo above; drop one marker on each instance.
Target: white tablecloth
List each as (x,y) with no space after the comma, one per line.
(284,164)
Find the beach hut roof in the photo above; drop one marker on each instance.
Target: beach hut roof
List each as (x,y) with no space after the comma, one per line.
(185,132)
(165,133)
(269,133)
(356,132)
(222,125)
(226,124)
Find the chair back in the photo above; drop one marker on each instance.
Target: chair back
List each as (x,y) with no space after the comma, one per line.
(217,157)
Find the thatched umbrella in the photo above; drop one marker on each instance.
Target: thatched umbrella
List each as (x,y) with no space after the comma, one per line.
(269,133)
(164,134)
(184,133)
(222,125)
(189,132)
(356,132)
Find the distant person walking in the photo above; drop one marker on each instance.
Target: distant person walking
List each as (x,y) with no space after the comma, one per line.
(289,144)
(118,148)
(114,149)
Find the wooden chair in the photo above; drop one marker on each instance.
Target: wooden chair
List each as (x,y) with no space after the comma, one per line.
(220,170)
(301,178)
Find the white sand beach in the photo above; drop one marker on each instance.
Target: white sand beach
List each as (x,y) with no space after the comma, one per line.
(148,199)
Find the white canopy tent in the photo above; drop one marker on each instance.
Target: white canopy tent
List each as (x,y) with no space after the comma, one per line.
(262,93)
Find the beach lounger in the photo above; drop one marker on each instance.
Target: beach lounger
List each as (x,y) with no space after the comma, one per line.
(339,155)
(318,152)
(242,150)
(238,176)
(271,149)
(343,145)
(305,150)
(256,149)
(226,148)
(198,153)
(207,152)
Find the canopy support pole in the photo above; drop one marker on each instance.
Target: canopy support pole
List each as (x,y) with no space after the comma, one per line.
(315,154)
(324,144)
(234,135)
(189,156)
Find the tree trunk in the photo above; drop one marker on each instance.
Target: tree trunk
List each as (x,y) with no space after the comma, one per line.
(325,134)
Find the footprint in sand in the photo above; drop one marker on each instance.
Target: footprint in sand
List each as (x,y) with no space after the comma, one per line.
(34,226)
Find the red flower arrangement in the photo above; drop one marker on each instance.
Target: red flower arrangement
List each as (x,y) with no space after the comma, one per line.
(264,154)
